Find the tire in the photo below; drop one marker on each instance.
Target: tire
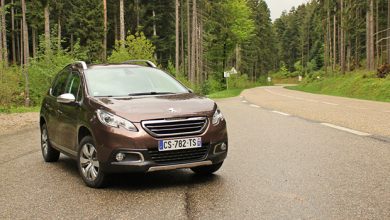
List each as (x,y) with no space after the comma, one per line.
(207,170)
(88,164)
(48,152)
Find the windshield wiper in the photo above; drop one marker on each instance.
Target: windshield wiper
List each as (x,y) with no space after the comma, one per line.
(150,93)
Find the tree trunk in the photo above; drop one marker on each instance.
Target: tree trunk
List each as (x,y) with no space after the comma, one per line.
(331,51)
(47,29)
(34,42)
(4,30)
(13,32)
(193,48)
(105,31)
(326,47)
(137,11)
(177,55)
(334,55)
(21,45)
(377,36)
(18,42)
(59,35)
(1,41)
(388,32)
(371,36)
(368,59)
(116,26)
(349,56)
(342,38)
(189,71)
(183,63)
(71,42)
(26,53)
(122,22)
(154,31)
(201,52)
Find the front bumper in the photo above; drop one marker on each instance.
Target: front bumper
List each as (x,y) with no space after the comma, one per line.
(141,148)
(142,162)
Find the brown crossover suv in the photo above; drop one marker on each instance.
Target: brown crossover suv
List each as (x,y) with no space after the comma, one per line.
(129,118)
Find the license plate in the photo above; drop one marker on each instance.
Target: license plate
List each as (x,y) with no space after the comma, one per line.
(179,144)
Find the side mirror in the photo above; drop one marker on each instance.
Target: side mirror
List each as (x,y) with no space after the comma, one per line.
(66,98)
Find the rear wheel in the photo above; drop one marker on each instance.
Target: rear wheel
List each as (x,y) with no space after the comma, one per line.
(48,152)
(207,170)
(89,166)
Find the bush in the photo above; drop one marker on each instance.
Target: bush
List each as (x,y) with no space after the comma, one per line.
(135,47)
(11,87)
(42,71)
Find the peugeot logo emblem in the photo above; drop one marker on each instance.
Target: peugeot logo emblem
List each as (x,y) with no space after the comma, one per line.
(172,110)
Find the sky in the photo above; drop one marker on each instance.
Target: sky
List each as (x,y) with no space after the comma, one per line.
(278,6)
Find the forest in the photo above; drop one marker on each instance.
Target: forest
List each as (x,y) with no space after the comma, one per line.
(194,40)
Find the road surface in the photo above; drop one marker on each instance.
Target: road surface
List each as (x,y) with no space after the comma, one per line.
(280,166)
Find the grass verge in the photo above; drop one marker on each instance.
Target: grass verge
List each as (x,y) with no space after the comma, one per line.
(9,110)
(225,94)
(359,85)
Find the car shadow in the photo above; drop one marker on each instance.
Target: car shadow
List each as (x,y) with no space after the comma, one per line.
(144,181)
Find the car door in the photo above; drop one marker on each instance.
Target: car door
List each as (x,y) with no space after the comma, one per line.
(51,104)
(69,114)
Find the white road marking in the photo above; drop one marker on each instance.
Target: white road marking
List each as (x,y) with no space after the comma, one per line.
(329,103)
(243,101)
(346,129)
(281,113)
(254,106)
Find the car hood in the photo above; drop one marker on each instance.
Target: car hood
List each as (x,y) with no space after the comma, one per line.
(137,109)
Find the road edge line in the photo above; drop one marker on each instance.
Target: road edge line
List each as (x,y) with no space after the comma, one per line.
(360,133)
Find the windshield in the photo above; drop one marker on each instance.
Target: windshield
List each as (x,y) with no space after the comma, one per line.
(125,81)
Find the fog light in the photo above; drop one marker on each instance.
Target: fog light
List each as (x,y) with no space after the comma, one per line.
(223,146)
(120,156)
(220,148)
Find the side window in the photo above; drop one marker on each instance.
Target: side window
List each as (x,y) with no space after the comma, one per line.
(73,86)
(60,84)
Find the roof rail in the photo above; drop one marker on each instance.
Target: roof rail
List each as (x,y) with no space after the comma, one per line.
(83,64)
(147,62)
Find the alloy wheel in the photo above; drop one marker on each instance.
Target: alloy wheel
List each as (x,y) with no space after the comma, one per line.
(88,162)
(44,142)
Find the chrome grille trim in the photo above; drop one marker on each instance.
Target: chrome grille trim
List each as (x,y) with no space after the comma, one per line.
(175,127)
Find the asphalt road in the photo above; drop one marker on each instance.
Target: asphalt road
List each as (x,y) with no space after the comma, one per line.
(279,167)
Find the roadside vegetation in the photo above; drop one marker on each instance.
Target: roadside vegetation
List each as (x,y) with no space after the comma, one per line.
(357,84)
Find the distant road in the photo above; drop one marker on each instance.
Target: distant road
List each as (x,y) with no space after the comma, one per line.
(354,115)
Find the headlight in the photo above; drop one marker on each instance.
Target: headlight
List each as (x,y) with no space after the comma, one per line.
(217,117)
(111,120)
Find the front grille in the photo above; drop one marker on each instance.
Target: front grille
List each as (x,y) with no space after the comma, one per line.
(175,127)
(175,156)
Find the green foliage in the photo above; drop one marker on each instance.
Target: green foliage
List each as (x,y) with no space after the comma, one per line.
(225,94)
(19,109)
(240,21)
(135,47)
(361,84)
(282,73)
(42,71)
(11,88)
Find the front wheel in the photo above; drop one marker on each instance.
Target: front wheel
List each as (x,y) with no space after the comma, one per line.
(207,170)
(89,166)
